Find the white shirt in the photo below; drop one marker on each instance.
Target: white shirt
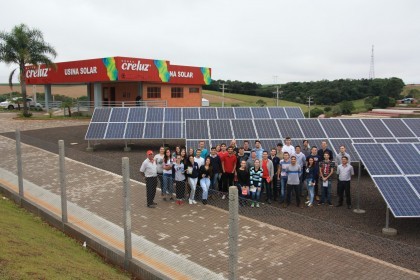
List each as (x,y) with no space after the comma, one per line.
(159,161)
(149,168)
(168,163)
(199,161)
(290,149)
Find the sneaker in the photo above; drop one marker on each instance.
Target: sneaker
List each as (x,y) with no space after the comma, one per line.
(204,201)
(320,203)
(224,196)
(252,205)
(307,202)
(330,204)
(190,201)
(317,197)
(258,205)
(310,204)
(195,202)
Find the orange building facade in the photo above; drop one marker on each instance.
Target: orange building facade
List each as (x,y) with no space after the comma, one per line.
(115,80)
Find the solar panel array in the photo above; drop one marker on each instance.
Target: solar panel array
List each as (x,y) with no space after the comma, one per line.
(168,123)
(394,167)
(337,131)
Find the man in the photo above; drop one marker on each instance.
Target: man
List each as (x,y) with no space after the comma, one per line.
(276,161)
(204,151)
(149,170)
(344,171)
(282,175)
(251,160)
(293,173)
(159,164)
(324,149)
(247,150)
(288,147)
(258,149)
(279,152)
(229,168)
(306,150)
(198,159)
(301,160)
(326,170)
(223,151)
(342,154)
(240,157)
(233,145)
(314,155)
(268,173)
(217,168)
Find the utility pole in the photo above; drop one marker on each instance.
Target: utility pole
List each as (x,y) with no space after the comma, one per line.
(277,92)
(309,105)
(372,65)
(223,94)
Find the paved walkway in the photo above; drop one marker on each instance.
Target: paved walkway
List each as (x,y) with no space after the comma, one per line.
(189,240)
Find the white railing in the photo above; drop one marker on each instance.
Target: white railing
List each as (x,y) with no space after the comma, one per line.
(85,105)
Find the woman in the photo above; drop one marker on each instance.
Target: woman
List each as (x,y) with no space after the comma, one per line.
(184,158)
(178,172)
(243,182)
(206,172)
(190,152)
(310,173)
(192,175)
(167,176)
(255,181)
(218,148)
(176,152)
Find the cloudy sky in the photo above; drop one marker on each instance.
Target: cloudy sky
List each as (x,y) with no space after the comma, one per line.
(295,40)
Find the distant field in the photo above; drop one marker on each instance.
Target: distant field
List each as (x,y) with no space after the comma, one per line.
(68,90)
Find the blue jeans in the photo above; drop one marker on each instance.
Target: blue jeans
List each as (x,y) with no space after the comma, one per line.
(326,192)
(215,181)
(168,187)
(256,195)
(310,190)
(283,181)
(205,185)
(268,189)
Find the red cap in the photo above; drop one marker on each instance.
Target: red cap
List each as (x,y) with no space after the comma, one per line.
(149,152)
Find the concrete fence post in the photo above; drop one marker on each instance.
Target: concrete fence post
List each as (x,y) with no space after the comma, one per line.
(127,210)
(19,163)
(62,171)
(233,232)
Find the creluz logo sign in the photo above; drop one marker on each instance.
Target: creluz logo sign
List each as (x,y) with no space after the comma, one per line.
(37,73)
(134,65)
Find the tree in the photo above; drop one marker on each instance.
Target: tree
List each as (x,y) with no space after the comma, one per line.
(383,101)
(261,103)
(24,46)
(346,107)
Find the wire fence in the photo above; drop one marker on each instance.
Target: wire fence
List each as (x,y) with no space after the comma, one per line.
(187,233)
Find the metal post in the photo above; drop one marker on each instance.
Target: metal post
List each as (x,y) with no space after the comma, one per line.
(62,171)
(19,163)
(387,230)
(358,210)
(127,210)
(233,232)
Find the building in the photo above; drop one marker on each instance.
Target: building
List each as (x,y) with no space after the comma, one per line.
(112,81)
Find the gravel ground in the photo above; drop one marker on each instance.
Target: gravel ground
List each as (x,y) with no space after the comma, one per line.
(338,226)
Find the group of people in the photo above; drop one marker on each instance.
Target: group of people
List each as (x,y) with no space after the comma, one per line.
(278,172)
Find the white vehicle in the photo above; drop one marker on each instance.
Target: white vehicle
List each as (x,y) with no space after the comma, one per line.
(13,104)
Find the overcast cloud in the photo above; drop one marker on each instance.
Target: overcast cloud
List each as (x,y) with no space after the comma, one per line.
(296,40)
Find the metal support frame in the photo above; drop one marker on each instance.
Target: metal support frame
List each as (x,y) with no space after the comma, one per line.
(19,163)
(127,211)
(358,210)
(387,230)
(62,171)
(233,232)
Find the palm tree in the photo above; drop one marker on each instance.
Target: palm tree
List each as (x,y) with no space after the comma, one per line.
(23,46)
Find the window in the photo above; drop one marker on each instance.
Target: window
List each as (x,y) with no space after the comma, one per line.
(194,90)
(153,92)
(177,92)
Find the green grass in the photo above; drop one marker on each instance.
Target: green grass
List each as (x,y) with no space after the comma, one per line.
(31,249)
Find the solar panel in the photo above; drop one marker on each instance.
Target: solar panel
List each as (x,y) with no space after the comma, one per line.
(214,143)
(190,114)
(260,113)
(334,128)
(311,128)
(294,113)
(96,131)
(154,114)
(153,131)
(376,128)
(244,129)
(194,144)
(355,128)
(417,146)
(101,114)
(172,130)
(336,143)
(220,129)
(243,113)
(196,129)
(173,114)
(269,144)
(119,115)
(414,125)
(225,113)
(208,113)
(376,159)
(137,114)
(363,140)
(115,131)
(277,113)
(266,129)
(134,131)
(386,140)
(406,156)
(289,128)
(408,140)
(398,128)
(399,195)
(415,181)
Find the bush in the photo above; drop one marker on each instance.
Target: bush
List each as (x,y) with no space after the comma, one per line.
(261,103)
(336,111)
(327,109)
(383,101)
(346,107)
(235,105)
(315,112)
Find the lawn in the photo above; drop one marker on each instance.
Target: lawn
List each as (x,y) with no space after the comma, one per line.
(31,249)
